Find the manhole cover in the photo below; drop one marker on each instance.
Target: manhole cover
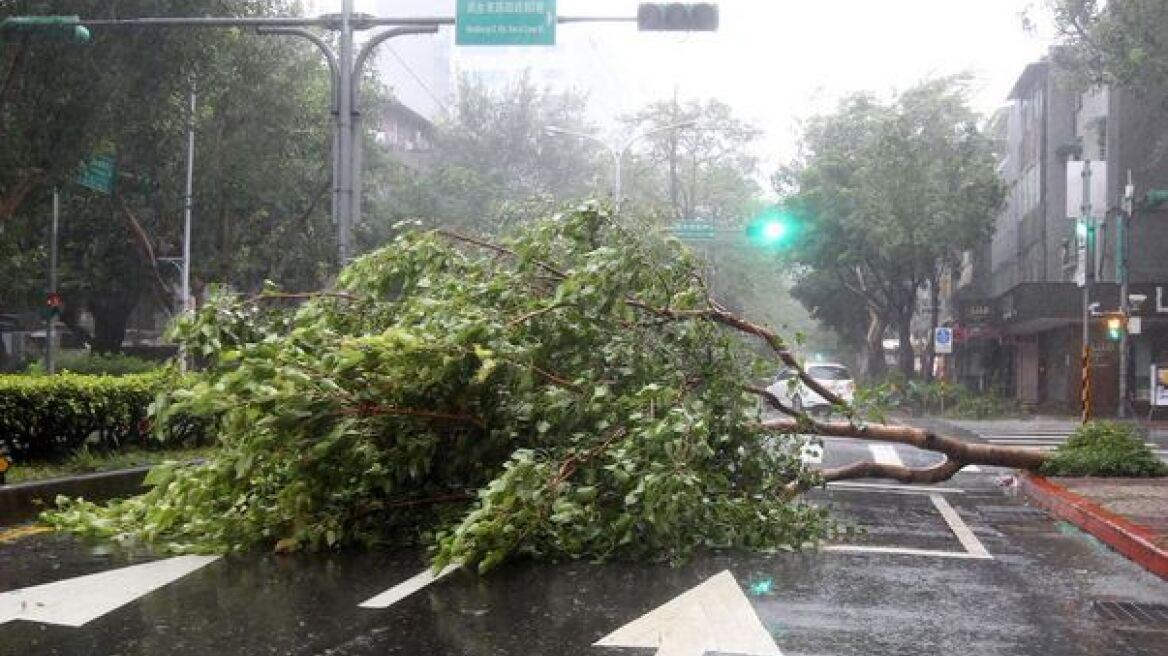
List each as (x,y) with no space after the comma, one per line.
(1153,617)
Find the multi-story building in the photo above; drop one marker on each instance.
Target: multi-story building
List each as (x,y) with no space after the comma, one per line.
(1020,306)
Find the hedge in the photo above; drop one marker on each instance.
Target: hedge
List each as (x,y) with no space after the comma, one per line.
(45,417)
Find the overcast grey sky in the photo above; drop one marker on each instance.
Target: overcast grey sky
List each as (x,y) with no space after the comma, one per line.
(774,61)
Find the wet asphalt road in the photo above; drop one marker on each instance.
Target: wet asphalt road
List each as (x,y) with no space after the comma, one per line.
(1036,591)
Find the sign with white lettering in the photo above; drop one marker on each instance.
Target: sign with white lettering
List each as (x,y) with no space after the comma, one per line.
(505,23)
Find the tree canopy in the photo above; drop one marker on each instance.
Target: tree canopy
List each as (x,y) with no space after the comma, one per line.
(551,396)
(890,195)
(1118,43)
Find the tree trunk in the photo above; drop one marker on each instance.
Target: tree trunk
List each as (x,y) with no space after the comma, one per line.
(872,357)
(928,358)
(906,359)
(111,313)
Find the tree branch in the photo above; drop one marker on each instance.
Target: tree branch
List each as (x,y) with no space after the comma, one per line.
(498,249)
(372,410)
(959,451)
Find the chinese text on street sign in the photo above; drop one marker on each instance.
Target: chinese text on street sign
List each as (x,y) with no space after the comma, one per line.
(506,23)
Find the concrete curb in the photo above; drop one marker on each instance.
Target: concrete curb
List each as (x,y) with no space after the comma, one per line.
(20,502)
(1136,542)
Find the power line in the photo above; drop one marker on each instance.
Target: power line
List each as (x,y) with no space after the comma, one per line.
(425,87)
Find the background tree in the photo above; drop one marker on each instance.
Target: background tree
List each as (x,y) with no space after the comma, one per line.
(493,163)
(704,172)
(892,193)
(261,196)
(1120,43)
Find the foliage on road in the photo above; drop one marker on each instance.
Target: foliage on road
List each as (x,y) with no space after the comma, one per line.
(563,394)
(1105,448)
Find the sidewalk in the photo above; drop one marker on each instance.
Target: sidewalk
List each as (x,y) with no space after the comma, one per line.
(1128,514)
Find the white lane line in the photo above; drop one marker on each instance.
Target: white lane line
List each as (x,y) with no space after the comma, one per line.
(972,469)
(903,551)
(77,601)
(885,454)
(406,588)
(912,489)
(712,616)
(972,545)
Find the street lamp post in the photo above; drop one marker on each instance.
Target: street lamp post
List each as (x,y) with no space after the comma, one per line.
(617,151)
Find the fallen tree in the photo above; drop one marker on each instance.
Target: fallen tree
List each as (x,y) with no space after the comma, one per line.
(572,391)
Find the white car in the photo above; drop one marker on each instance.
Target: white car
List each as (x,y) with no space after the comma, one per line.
(796,395)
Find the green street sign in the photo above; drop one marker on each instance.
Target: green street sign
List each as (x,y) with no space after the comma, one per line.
(692,231)
(505,23)
(98,174)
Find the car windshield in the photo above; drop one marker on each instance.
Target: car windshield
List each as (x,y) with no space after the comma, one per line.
(828,373)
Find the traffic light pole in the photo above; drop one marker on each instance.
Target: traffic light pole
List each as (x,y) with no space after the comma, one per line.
(1088,279)
(1122,242)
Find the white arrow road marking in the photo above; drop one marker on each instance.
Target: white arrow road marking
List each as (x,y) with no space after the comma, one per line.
(713,616)
(407,588)
(75,602)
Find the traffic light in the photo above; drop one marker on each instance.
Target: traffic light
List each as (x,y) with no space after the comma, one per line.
(1114,328)
(677,17)
(1154,199)
(54,304)
(60,26)
(775,228)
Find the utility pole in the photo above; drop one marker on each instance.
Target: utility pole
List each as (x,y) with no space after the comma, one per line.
(1122,241)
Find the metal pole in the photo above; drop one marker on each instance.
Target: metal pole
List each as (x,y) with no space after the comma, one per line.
(1088,278)
(1122,240)
(345,132)
(50,357)
(334,109)
(357,138)
(187,201)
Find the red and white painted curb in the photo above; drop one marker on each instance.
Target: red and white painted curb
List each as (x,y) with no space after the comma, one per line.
(1135,541)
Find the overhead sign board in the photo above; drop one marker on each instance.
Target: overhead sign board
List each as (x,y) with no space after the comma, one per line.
(505,23)
(692,230)
(98,174)
(943,340)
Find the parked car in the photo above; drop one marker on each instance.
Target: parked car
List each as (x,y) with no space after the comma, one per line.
(798,396)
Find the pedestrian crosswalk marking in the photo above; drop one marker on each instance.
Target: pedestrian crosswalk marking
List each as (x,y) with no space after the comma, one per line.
(407,587)
(77,601)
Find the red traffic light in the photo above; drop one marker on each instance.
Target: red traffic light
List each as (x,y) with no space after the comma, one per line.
(53,300)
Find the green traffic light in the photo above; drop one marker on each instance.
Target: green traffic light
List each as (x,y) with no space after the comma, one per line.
(775,228)
(773,231)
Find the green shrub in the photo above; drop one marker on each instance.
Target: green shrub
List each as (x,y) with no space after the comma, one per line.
(86,363)
(974,405)
(1104,448)
(47,417)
